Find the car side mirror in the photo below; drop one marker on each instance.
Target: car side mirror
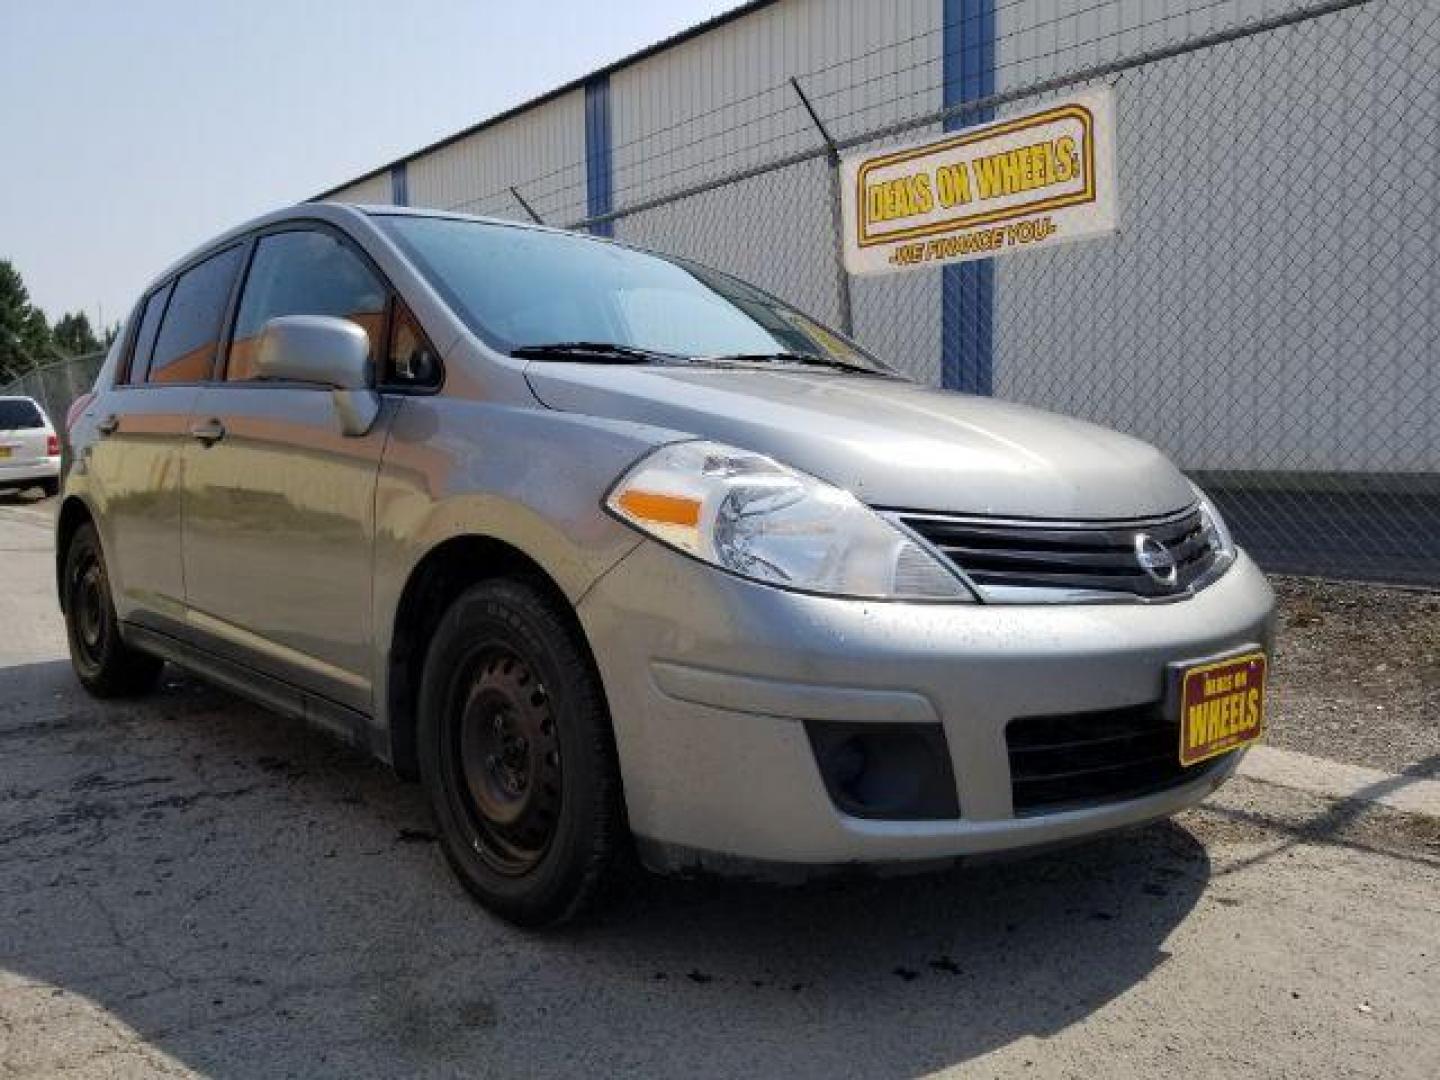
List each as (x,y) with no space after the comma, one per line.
(326,351)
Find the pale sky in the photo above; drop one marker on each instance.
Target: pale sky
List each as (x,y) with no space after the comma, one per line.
(130,132)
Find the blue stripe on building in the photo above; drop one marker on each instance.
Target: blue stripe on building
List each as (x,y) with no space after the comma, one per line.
(967,290)
(399,185)
(598,191)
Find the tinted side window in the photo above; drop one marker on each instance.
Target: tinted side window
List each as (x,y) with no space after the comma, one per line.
(145,336)
(304,273)
(185,349)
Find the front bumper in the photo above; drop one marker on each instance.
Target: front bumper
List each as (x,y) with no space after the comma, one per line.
(710,679)
(23,474)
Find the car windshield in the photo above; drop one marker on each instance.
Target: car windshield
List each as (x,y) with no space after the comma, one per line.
(19,413)
(521,289)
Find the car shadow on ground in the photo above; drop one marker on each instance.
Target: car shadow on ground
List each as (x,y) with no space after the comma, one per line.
(12,496)
(251,899)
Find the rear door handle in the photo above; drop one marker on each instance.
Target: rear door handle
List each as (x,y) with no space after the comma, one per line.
(109,425)
(209,433)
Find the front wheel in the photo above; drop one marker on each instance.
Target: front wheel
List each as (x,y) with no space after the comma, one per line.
(516,754)
(105,665)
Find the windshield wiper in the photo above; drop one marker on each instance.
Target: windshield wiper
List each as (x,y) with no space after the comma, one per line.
(809,359)
(592,352)
(610,352)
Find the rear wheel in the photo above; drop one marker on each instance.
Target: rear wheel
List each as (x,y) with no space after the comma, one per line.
(516,754)
(105,665)
(50,487)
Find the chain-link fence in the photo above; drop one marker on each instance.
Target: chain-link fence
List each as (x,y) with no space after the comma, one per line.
(1267,314)
(56,385)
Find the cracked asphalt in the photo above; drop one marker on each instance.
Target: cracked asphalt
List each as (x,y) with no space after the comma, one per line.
(189,885)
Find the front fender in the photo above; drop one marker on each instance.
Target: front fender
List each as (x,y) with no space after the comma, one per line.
(529,477)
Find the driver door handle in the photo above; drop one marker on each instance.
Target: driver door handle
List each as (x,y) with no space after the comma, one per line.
(209,433)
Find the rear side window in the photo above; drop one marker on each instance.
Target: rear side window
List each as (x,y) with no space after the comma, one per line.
(145,336)
(304,273)
(185,348)
(19,414)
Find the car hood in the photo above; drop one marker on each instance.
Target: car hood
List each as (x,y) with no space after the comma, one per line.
(892,443)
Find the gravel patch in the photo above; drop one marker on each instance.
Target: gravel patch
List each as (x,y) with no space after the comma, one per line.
(1356,675)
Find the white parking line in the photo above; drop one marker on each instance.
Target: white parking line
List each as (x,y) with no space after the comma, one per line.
(1337,780)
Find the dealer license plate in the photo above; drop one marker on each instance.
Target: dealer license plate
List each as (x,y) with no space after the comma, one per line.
(4,451)
(1222,706)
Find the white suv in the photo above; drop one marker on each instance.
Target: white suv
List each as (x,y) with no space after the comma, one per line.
(29,447)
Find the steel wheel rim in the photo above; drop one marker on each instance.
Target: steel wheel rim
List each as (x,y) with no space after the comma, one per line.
(91,613)
(507,764)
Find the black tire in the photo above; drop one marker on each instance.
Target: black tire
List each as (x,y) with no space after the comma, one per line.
(105,665)
(517,756)
(50,487)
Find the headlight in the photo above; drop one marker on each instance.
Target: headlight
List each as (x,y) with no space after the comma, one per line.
(1216,532)
(751,515)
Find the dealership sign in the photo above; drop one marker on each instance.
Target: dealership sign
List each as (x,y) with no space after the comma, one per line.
(1024,182)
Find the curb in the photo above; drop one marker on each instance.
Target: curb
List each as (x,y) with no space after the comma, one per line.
(1337,780)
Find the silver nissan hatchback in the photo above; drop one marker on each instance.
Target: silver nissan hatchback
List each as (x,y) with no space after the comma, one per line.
(616,552)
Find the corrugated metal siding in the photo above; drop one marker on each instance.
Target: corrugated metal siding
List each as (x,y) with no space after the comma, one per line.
(540,151)
(372,192)
(1038,39)
(1219,271)
(1239,320)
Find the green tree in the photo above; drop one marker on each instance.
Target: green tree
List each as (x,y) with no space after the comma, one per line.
(25,340)
(73,335)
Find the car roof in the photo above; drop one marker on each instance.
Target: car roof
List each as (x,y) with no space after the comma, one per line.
(335,213)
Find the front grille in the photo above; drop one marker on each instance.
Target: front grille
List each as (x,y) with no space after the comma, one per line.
(1073,760)
(1009,560)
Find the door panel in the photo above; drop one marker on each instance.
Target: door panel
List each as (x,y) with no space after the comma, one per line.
(279,534)
(134,476)
(136,462)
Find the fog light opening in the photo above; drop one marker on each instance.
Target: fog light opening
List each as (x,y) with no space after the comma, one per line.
(899,772)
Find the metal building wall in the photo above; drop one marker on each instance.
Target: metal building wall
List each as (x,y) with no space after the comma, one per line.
(372,191)
(539,151)
(1245,317)
(1232,162)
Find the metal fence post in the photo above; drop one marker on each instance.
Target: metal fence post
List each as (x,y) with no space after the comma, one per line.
(526,206)
(832,152)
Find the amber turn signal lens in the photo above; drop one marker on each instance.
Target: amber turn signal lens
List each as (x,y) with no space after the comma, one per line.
(661,509)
